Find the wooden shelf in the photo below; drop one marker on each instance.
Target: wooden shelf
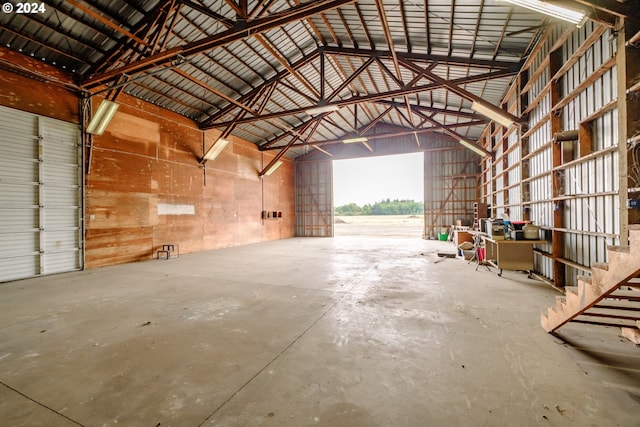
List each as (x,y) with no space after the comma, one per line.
(587,233)
(584,196)
(586,158)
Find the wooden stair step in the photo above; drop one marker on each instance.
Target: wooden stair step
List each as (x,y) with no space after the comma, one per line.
(560,309)
(571,290)
(545,322)
(627,295)
(625,249)
(615,304)
(632,334)
(603,321)
(598,299)
(614,313)
(619,256)
(600,266)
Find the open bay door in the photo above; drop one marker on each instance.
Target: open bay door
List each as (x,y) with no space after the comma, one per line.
(314,199)
(40,195)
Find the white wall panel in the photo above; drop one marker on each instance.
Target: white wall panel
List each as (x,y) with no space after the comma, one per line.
(40,195)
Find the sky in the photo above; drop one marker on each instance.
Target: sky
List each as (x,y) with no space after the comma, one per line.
(369,180)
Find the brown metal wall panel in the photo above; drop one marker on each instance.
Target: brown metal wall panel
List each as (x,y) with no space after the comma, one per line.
(314,199)
(450,184)
(149,156)
(157,168)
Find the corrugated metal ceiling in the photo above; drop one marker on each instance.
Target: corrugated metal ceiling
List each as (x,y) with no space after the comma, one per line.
(218,62)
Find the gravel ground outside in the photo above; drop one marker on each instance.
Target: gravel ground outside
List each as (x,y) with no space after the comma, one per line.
(410,226)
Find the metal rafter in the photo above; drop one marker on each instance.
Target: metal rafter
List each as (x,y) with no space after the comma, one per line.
(405,26)
(106,22)
(440,83)
(347,28)
(365,28)
(317,32)
(446,129)
(129,45)
(453,87)
(435,111)
(213,90)
(278,77)
(285,63)
(389,135)
(64,32)
(314,122)
(451,19)
(351,78)
(426,26)
(78,16)
(419,57)
(208,12)
(476,30)
(252,28)
(43,44)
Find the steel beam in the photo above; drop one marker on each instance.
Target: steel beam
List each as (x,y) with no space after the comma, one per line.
(372,98)
(257,26)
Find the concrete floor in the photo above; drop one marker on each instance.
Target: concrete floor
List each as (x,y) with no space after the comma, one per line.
(351,331)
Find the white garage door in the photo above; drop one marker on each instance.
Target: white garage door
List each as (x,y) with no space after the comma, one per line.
(40,195)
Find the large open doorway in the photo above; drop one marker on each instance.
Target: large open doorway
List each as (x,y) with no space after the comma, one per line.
(379,196)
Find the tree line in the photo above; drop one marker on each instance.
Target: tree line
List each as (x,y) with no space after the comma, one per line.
(383,207)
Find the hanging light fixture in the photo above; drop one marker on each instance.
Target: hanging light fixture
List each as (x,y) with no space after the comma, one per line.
(474,147)
(272,168)
(216,149)
(322,108)
(101,119)
(576,17)
(355,139)
(492,114)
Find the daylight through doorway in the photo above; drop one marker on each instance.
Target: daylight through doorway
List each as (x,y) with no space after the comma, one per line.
(379,196)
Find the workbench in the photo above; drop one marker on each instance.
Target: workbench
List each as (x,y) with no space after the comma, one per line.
(510,254)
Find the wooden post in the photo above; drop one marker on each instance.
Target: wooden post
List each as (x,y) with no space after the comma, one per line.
(557,245)
(628,71)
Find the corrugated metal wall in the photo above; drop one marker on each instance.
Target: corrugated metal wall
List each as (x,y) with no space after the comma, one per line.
(591,203)
(40,195)
(314,199)
(569,88)
(450,186)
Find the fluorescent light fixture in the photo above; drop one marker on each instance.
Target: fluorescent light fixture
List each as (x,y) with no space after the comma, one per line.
(314,111)
(216,149)
(273,167)
(102,117)
(493,115)
(474,147)
(576,17)
(355,139)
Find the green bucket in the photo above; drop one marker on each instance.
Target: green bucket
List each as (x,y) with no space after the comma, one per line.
(444,237)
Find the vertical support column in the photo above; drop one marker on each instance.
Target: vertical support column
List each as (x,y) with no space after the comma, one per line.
(41,206)
(628,72)
(506,183)
(523,103)
(557,245)
(426,192)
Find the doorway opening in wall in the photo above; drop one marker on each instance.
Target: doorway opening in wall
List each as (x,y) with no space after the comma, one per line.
(379,196)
